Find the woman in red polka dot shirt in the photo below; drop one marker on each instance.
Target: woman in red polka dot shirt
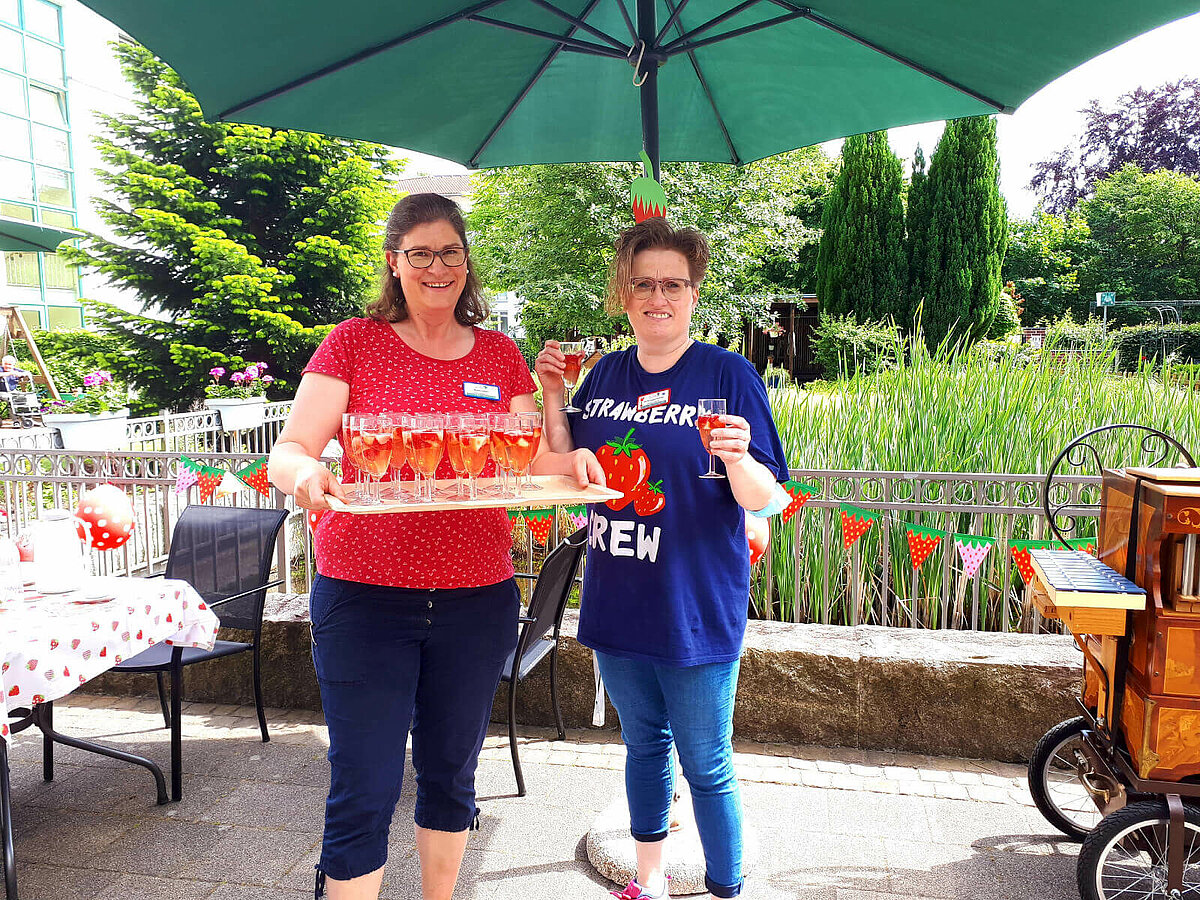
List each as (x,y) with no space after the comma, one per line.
(412,614)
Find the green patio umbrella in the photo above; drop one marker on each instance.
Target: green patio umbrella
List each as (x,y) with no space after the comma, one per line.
(506,82)
(22,236)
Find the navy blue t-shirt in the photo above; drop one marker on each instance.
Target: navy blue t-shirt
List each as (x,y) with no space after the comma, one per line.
(668,568)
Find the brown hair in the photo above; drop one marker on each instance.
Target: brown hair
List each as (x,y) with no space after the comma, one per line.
(424,209)
(655,233)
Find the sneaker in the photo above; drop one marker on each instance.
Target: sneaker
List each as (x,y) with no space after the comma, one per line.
(634,891)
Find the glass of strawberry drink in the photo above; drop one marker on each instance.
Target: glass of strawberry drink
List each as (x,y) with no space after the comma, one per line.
(474,446)
(352,453)
(498,444)
(399,453)
(428,443)
(372,435)
(574,351)
(708,417)
(531,429)
(454,428)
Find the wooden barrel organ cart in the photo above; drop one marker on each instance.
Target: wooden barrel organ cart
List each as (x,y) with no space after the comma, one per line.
(1124,776)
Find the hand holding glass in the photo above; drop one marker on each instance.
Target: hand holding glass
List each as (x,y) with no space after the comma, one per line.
(708,418)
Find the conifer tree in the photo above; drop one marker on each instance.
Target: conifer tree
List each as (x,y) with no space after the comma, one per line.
(966,236)
(917,223)
(861,264)
(241,243)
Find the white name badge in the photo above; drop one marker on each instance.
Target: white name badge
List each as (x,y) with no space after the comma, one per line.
(481,391)
(655,398)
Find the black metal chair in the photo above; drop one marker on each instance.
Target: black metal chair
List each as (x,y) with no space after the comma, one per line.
(225,553)
(539,635)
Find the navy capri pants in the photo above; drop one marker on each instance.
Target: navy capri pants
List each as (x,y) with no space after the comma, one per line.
(388,659)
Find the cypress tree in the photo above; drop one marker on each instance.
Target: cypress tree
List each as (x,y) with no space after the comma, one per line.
(917,220)
(861,263)
(241,243)
(966,236)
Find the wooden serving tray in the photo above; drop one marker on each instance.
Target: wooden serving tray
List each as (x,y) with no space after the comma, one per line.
(555,490)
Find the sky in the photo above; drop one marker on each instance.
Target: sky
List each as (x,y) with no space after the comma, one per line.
(1046,122)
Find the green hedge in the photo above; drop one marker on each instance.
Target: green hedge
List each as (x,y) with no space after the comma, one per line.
(1157,344)
(843,346)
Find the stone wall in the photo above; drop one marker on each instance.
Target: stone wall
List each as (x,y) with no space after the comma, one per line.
(941,692)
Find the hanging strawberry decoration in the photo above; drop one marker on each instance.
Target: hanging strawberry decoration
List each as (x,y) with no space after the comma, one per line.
(646,195)
(922,542)
(255,475)
(855,522)
(1020,553)
(538,521)
(210,479)
(971,550)
(800,494)
(108,516)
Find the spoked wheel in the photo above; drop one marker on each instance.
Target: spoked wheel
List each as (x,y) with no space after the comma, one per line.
(1055,770)
(1125,856)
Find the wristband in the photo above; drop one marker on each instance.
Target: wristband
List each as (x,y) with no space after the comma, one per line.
(778,503)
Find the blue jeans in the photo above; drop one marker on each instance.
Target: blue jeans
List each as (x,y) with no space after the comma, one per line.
(387,658)
(692,707)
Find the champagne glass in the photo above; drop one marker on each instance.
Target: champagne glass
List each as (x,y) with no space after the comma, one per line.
(708,417)
(474,441)
(350,453)
(407,424)
(574,351)
(454,429)
(497,422)
(428,443)
(531,428)
(375,433)
(399,453)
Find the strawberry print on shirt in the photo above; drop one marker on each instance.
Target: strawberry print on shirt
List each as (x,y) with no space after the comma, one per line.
(417,550)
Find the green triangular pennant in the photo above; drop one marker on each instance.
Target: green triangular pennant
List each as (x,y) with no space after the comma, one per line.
(857,512)
(925,532)
(974,541)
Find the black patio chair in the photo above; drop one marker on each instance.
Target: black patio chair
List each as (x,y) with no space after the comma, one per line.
(225,553)
(539,635)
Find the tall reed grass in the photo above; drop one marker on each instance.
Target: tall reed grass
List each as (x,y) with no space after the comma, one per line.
(949,411)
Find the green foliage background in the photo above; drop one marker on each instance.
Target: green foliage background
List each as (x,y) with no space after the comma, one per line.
(862,264)
(242,243)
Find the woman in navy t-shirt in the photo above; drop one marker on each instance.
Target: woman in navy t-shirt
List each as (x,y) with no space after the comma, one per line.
(666,588)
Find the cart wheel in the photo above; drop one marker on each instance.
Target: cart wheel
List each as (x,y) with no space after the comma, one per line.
(1125,856)
(1054,779)
(26,422)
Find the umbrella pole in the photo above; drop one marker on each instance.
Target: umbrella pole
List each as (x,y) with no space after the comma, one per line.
(647,74)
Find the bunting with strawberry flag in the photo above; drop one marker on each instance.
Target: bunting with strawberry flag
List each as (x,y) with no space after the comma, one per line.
(1087,545)
(971,551)
(800,494)
(921,542)
(855,522)
(538,521)
(576,515)
(209,480)
(646,195)
(1020,553)
(189,474)
(255,475)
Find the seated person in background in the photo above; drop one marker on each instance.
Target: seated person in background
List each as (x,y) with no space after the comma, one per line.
(13,378)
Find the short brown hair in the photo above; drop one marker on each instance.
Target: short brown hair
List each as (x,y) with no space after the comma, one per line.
(652,234)
(425,209)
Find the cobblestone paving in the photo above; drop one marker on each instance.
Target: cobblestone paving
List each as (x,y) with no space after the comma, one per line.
(830,823)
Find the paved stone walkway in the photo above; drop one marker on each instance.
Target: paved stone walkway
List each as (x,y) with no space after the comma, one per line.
(832,823)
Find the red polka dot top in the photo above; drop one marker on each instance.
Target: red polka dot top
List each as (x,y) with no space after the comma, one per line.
(417,550)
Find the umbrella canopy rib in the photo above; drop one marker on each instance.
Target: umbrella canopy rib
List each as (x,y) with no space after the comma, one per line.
(571,44)
(733,154)
(628,21)
(671,21)
(903,60)
(713,23)
(359,57)
(580,23)
(541,70)
(683,45)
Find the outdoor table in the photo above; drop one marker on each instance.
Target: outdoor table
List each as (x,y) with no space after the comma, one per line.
(51,644)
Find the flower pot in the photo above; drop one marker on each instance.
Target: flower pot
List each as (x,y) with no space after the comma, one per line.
(87,431)
(237,414)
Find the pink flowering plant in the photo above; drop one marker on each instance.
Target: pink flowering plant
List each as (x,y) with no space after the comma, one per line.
(100,394)
(244,385)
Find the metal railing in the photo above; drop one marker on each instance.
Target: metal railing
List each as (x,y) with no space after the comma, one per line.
(874,581)
(817,580)
(200,432)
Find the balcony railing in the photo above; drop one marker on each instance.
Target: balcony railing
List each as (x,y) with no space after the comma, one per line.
(817,580)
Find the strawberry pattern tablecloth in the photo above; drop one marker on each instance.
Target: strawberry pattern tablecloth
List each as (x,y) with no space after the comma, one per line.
(51,644)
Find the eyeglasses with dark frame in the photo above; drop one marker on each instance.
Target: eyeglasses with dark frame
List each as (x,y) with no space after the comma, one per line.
(672,288)
(420,258)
